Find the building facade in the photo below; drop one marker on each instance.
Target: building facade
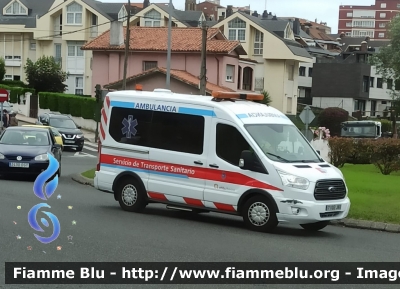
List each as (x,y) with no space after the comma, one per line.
(368,21)
(272,45)
(58,28)
(314,38)
(147,55)
(350,82)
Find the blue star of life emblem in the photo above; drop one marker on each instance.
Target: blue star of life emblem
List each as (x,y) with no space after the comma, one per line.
(129,125)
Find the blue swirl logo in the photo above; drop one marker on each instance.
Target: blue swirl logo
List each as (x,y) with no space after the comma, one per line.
(44,192)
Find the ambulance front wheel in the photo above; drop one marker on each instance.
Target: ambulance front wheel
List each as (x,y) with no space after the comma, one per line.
(131,195)
(259,214)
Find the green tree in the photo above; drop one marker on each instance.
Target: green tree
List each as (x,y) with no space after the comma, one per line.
(2,68)
(387,60)
(267,98)
(45,75)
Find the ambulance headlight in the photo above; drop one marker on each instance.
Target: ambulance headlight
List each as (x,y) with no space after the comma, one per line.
(293,181)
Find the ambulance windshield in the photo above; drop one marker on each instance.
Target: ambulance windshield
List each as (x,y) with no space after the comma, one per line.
(283,143)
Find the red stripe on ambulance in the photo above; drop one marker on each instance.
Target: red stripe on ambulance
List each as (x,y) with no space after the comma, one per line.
(224,207)
(104,115)
(102,132)
(157,196)
(193,202)
(198,173)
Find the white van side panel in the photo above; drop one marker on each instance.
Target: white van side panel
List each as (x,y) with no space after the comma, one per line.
(180,174)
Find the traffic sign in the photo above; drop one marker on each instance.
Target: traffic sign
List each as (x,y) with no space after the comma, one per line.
(3,95)
(307,116)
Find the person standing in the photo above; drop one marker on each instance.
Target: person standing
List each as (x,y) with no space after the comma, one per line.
(5,119)
(13,119)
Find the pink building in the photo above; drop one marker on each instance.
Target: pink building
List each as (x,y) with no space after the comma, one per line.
(148,55)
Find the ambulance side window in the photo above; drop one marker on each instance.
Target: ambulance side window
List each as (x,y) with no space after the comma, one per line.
(230,143)
(178,132)
(130,126)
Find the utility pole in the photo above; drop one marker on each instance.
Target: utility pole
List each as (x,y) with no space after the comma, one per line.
(203,69)
(127,41)
(168,80)
(97,112)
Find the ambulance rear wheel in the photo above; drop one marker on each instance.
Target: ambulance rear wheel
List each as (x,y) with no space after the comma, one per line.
(259,214)
(131,195)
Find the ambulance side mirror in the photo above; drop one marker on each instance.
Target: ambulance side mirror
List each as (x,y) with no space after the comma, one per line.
(247,160)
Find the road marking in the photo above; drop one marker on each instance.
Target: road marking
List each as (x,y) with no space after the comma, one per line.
(81,154)
(89,148)
(91,144)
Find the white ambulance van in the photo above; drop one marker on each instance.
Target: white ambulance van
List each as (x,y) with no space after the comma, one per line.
(225,153)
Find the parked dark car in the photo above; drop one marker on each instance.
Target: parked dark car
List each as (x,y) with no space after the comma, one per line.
(71,133)
(23,150)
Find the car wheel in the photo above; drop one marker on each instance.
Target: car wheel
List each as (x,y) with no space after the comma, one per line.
(315,226)
(259,214)
(131,195)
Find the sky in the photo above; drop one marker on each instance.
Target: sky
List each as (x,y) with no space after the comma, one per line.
(322,10)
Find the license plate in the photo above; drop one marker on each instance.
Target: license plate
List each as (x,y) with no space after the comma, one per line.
(19,165)
(69,141)
(330,208)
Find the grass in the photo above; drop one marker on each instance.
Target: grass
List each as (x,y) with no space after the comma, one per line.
(373,196)
(89,174)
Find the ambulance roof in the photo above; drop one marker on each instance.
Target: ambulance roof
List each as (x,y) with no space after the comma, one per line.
(245,111)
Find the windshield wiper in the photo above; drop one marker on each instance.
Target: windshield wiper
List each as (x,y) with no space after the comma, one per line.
(278,157)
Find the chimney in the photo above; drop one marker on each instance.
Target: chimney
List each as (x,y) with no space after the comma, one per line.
(265,14)
(367,38)
(146,3)
(296,26)
(274,18)
(116,33)
(307,29)
(255,14)
(229,11)
(342,35)
(364,46)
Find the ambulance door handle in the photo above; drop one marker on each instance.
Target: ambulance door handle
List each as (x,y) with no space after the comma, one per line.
(198,163)
(214,166)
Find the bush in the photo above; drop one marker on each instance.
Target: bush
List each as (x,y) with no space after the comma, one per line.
(72,104)
(386,155)
(13,83)
(386,125)
(16,92)
(362,150)
(341,149)
(332,117)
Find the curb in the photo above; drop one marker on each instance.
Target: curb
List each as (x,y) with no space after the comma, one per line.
(82,180)
(367,225)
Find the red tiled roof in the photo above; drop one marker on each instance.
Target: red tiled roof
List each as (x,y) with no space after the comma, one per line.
(180,75)
(156,39)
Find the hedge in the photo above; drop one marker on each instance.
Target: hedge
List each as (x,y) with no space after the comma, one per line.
(16,92)
(384,153)
(72,104)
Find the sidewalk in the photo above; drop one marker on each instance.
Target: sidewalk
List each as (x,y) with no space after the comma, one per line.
(89,135)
